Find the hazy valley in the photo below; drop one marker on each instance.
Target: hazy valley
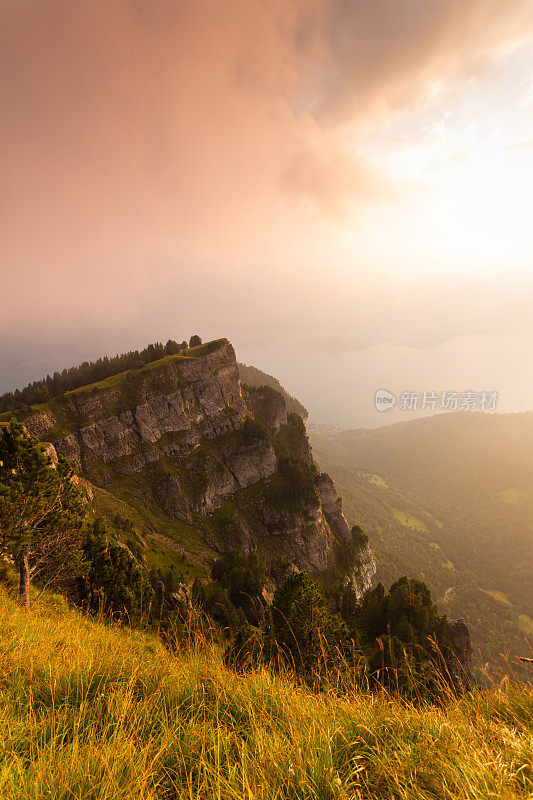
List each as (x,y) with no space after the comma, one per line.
(448,498)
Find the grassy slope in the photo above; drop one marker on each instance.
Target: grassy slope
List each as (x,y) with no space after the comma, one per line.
(92,711)
(175,543)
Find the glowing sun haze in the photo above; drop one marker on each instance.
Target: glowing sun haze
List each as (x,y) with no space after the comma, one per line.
(340,173)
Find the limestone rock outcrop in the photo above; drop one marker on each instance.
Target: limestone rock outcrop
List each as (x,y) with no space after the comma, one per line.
(181,433)
(162,410)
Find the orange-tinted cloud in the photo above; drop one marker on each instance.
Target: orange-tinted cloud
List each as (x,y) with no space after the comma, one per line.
(159,140)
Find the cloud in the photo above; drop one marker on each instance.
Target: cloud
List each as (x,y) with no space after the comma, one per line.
(390,52)
(322,175)
(171,144)
(519,147)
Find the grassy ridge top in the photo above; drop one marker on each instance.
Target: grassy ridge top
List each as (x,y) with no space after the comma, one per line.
(114,380)
(109,372)
(95,711)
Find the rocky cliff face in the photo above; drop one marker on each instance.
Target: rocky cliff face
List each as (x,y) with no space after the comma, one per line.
(181,433)
(138,418)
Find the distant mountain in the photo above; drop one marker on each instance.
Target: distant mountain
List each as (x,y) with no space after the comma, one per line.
(449,499)
(256,377)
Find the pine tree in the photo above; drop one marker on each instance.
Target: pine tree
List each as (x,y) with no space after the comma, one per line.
(41,512)
(115,581)
(302,624)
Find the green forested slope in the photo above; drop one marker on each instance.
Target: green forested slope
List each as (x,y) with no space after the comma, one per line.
(256,377)
(449,499)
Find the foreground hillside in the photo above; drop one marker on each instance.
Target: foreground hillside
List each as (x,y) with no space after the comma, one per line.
(90,711)
(448,498)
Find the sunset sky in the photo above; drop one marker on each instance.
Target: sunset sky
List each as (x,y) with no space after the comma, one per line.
(322,181)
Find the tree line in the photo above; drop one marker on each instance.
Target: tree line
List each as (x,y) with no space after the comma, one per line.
(395,639)
(89,372)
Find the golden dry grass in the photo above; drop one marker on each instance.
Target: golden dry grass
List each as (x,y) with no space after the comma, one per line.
(89,710)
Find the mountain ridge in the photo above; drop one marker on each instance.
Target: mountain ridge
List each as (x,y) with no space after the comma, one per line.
(213,464)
